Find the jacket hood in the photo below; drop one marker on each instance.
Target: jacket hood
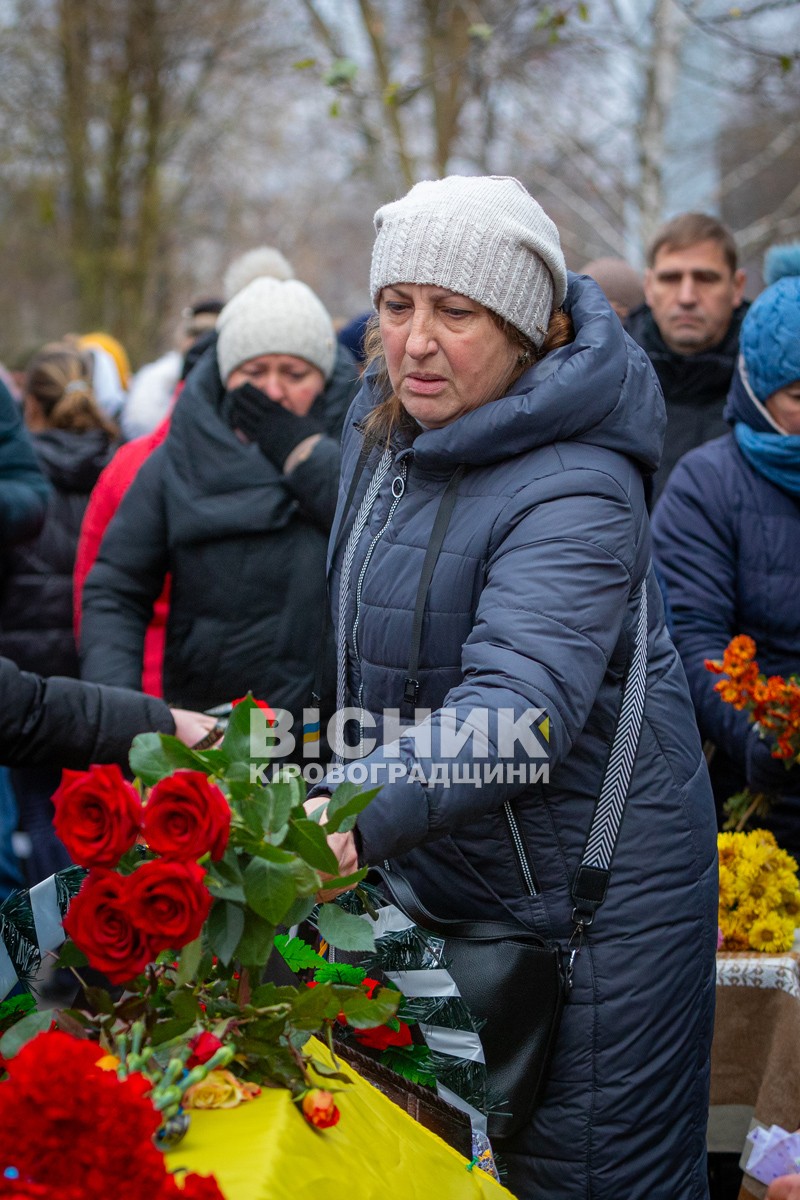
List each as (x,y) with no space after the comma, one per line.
(73,461)
(225,486)
(600,389)
(743,405)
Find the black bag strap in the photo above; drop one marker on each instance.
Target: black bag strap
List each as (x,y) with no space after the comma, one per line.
(341,533)
(438,533)
(592,878)
(397,888)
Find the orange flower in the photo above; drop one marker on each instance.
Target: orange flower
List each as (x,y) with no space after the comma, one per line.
(319,1109)
(773,703)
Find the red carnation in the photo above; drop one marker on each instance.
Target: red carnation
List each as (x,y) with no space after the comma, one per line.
(169,902)
(382,1036)
(319,1109)
(101,925)
(200,1187)
(98,815)
(186,817)
(203,1047)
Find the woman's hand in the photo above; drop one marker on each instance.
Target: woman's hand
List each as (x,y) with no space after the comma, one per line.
(343,846)
(785,1188)
(192,727)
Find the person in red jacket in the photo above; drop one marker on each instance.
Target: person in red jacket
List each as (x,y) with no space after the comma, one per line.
(105,499)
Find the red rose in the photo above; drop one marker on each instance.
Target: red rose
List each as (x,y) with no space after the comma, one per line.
(100,923)
(382,1036)
(98,815)
(262,704)
(203,1047)
(319,1109)
(186,817)
(169,902)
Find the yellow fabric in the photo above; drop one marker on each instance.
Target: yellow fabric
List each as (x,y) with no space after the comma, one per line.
(264,1150)
(114,347)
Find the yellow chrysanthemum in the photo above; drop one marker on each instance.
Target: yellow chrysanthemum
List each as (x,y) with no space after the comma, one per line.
(769,934)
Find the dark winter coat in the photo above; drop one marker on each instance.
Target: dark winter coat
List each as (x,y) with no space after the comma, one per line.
(73,724)
(694,386)
(36,610)
(532,606)
(24,491)
(728,543)
(246,549)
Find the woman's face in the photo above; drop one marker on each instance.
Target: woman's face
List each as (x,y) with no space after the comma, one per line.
(784,407)
(287,380)
(444,353)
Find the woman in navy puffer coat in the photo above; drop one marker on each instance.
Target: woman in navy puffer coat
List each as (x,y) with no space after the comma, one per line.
(532,606)
(726,533)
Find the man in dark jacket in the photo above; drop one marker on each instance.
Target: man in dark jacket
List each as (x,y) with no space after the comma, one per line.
(689,328)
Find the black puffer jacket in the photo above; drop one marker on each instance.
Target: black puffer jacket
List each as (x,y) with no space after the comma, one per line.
(246,549)
(36,611)
(69,723)
(695,387)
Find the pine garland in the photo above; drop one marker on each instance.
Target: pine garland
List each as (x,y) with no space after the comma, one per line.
(18,929)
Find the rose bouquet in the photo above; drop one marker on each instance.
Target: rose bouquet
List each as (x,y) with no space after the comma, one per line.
(759,893)
(192,871)
(772,706)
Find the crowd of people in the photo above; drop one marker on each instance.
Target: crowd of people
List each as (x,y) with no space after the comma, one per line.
(449,506)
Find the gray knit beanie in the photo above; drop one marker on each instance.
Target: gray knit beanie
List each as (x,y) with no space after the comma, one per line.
(275,316)
(483,236)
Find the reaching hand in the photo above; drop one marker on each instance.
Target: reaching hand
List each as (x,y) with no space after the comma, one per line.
(787,1187)
(192,727)
(343,846)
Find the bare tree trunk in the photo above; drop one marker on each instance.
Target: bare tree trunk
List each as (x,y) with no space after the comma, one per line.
(661,77)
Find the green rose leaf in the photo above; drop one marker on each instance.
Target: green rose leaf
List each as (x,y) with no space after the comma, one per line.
(310,841)
(15,1038)
(344,806)
(255,945)
(156,755)
(224,927)
(189,961)
(270,889)
(236,742)
(344,930)
(70,956)
(363,1013)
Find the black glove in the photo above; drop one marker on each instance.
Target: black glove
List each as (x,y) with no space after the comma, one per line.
(274,429)
(768,774)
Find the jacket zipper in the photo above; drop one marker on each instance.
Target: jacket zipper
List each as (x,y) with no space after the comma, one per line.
(529,879)
(398,495)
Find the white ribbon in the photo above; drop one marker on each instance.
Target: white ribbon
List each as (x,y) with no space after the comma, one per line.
(477,1118)
(46,915)
(389,920)
(458,1043)
(424,983)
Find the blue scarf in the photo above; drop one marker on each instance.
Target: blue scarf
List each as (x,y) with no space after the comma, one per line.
(776,456)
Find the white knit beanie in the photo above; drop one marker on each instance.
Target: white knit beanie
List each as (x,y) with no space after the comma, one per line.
(275,316)
(483,236)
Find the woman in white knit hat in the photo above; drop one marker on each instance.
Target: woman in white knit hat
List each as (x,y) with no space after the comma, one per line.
(235,506)
(494,601)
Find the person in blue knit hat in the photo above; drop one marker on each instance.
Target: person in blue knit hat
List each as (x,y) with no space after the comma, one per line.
(727,538)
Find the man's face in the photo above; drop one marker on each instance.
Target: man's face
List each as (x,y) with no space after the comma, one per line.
(692,294)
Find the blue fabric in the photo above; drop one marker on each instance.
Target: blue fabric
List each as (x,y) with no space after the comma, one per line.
(776,456)
(10,870)
(530,606)
(727,539)
(770,338)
